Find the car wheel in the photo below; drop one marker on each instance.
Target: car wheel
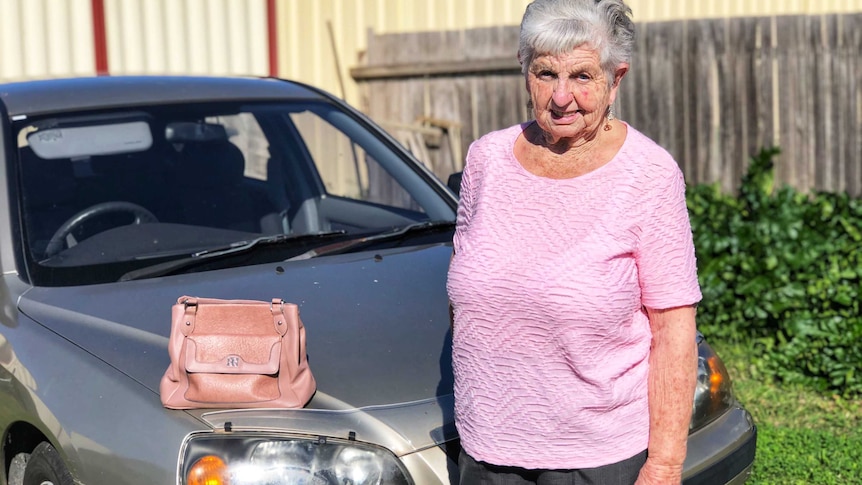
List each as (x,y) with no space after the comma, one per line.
(17,467)
(45,467)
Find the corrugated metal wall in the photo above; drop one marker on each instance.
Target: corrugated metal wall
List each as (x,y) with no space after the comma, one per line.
(186,36)
(40,37)
(318,40)
(55,38)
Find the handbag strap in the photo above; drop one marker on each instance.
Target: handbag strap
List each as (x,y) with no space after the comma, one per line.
(191,306)
(278,318)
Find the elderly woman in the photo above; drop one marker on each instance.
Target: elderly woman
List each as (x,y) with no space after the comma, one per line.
(573,283)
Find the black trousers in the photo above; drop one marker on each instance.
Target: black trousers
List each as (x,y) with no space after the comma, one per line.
(479,473)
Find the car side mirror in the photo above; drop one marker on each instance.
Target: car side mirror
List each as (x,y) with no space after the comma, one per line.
(454,182)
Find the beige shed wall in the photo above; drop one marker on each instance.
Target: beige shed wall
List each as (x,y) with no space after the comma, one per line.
(319,40)
(187,36)
(39,38)
(54,38)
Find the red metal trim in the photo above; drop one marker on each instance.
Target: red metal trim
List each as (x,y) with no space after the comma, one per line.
(100,38)
(272,36)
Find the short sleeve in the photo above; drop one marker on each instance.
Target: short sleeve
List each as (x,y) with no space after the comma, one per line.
(667,267)
(466,202)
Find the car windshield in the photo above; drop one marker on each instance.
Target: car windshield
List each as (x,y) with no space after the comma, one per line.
(107,193)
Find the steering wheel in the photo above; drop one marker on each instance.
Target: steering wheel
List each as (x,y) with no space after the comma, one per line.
(142,216)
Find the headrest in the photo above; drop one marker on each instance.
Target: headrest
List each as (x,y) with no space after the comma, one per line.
(211,164)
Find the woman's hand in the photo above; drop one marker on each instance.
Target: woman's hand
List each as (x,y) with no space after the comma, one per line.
(654,473)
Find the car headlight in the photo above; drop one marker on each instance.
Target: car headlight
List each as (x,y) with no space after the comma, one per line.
(713,394)
(266,459)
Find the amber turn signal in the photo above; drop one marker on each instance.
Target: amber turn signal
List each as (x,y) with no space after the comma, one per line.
(715,378)
(209,470)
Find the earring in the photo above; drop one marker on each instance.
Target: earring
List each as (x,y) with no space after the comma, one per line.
(608,118)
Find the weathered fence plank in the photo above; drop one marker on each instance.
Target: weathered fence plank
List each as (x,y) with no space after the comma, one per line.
(713,92)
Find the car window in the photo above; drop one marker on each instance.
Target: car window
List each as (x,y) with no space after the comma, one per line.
(246,134)
(118,190)
(346,168)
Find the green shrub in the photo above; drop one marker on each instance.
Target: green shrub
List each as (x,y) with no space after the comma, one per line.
(783,269)
(806,457)
(803,437)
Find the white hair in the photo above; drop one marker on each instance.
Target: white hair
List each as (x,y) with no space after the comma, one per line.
(557,26)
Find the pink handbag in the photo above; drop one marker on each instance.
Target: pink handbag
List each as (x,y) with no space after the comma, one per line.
(236,354)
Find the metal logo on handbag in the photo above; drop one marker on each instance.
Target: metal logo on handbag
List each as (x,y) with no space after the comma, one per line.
(237,354)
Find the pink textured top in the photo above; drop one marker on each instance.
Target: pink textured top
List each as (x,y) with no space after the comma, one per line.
(549,282)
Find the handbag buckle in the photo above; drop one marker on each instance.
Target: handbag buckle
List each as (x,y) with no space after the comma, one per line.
(280,302)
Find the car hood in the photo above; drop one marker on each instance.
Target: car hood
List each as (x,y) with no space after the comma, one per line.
(377,323)
(403,428)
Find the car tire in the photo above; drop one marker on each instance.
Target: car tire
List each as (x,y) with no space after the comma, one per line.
(45,467)
(16,469)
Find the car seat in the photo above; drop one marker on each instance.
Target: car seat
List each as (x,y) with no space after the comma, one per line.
(139,177)
(210,184)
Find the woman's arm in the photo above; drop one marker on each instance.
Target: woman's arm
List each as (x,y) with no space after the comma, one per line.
(451,310)
(672,377)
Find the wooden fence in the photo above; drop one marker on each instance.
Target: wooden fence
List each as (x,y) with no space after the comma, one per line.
(713,92)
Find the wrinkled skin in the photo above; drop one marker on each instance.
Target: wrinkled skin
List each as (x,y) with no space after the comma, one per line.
(570,95)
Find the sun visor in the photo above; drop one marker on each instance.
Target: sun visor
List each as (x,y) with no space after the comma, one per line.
(91,140)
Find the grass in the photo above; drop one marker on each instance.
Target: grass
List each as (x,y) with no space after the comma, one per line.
(804,437)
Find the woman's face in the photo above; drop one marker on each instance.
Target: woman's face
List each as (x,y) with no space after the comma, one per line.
(570,93)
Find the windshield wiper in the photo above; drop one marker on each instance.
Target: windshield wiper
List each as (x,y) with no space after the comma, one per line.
(393,235)
(193,259)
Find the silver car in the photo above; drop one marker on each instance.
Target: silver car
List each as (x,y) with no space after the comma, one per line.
(121,194)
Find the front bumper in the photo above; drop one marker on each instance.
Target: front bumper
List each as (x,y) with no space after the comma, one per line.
(720,453)
(723,451)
